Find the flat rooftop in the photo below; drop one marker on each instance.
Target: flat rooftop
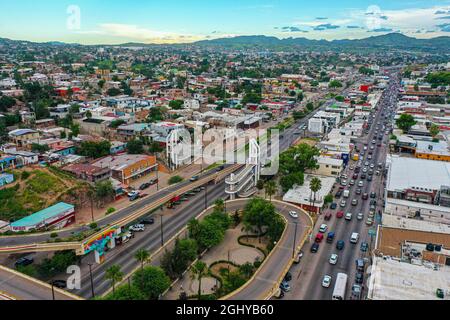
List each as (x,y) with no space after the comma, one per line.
(390,240)
(43,215)
(414,224)
(394,280)
(405,173)
(301,194)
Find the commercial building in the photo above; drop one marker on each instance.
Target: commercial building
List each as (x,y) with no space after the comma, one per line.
(57,216)
(418,188)
(89,172)
(304,198)
(128,167)
(329,167)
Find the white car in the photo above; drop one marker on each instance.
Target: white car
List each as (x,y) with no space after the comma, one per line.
(137,228)
(323,228)
(293,214)
(326,281)
(348,216)
(361,184)
(132,193)
(333,259)
(360,216)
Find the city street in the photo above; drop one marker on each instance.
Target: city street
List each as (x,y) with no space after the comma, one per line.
(307,276)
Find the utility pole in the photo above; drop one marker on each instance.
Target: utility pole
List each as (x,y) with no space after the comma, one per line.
(157,179)
(53,290)
(92,281)
(206,196)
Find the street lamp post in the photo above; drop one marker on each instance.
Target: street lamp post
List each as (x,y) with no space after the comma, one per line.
(157,179)
(92,280)
(53,289)
(162,231)
(206,196)
(295,239)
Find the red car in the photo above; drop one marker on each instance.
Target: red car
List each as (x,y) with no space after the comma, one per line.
(319,238)
(328,216)
(340,214)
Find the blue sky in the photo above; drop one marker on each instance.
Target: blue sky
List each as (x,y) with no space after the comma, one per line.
(156,21)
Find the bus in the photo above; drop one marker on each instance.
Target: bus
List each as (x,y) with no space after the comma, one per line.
(340,287)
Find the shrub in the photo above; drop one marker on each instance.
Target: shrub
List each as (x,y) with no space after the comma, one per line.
(25,175)
(110,210)
(175,179)
(53,235)
(93,225)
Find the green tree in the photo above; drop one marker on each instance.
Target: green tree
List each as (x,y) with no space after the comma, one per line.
(198,272)
(405,122)
(175,262)
(258,213)
(434,130)
(112,92)
(288,181)
(135,147)
(104,190)
(152,281)
(142,256)
(75,128)
(175,179)
(176,104)
(127,293)
(114,274)
(6,103)
(270,188)
(335,84)
(315,185)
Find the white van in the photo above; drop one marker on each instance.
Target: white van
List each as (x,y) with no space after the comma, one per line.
(354,238)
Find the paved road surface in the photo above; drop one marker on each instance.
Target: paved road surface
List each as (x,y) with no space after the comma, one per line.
(18,287)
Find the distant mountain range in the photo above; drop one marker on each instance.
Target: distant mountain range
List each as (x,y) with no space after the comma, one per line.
(392,40)
(386,41)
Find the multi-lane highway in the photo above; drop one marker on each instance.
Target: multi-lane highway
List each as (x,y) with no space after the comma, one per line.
(307,277)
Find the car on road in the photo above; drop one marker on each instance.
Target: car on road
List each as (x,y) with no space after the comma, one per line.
(364,247)
(360,216)
(343,183)
(319,238)
(333,205)
(193,178)
(365,196)
(62,284)
(153,181)
(369,221)
(359,277)
(369,178)
(330,237)
(338,194)
(293,214)
(147,221)
(340,214)
(373,195)
(356,292)
(343,203)
(298,257)
(220,168)
(354,237)
(288,277)
(323,228)
(358,191)
(354,202)
(314,247)
(361,184)
(348,216)
(326,281)
(285,286)
(355,176)
(340,245)
(137,228)
(333,259)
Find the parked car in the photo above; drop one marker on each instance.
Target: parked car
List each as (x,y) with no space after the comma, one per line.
(137,228)
(62,284)
(144,186)
(153,181)
(134,197)
(23,262)
(298,257)
(288,277)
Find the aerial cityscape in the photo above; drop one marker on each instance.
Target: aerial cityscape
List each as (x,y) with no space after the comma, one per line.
(225,150)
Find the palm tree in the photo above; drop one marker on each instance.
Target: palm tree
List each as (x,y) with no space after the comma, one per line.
(142,256)
(114,274)
(315,185)
(270,188)
(199,271)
